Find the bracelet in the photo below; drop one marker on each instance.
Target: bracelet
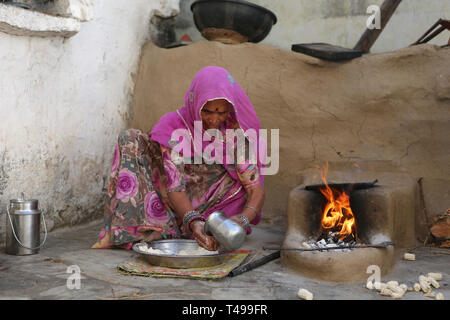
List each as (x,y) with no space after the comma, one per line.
(200,218)
(188,217)
(191,216)
(250,207)
(244,219)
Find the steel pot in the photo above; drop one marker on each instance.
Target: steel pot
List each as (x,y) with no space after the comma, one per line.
(227,232)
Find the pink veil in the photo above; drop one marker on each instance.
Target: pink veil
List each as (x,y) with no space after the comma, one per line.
(212,83)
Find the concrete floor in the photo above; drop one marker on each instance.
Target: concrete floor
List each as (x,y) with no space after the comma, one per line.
(44,275)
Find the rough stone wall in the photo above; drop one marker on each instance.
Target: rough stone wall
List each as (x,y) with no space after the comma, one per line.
(62,104)
(378,116)
(339,22)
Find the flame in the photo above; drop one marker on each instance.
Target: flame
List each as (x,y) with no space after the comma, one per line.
(338,214)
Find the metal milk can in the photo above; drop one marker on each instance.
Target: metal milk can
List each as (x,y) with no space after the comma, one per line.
(23,227)
(227,232)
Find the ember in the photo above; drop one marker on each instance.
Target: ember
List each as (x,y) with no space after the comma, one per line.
(329,241)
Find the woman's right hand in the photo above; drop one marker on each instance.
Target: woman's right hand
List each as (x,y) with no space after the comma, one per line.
(203,240)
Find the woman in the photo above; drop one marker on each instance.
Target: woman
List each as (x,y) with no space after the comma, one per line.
(159,190)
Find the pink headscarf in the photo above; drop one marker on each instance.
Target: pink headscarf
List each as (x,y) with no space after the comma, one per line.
(211,83)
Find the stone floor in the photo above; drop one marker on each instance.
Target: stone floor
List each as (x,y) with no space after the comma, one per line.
(44,275)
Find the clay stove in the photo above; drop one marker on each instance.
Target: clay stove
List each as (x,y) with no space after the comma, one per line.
(376,213)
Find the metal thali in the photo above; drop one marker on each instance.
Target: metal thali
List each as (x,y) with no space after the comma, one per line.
(171,259)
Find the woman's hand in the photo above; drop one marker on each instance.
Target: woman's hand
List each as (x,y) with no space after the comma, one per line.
(255,202)
(203,240)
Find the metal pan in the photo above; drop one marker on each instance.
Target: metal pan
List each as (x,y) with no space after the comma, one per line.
(348,187)
(172,260)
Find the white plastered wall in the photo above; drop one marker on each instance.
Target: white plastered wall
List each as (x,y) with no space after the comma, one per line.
(63,101)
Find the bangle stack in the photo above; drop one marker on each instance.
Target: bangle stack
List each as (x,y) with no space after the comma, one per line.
(245,221)
(190,217)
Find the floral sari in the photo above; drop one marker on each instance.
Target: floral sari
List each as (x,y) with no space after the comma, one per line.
(145,171)
(137,205)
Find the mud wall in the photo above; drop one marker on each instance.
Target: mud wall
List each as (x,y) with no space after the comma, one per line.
(382,116)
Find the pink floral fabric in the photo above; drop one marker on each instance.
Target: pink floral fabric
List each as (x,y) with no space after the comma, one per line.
(127,185)
(134,210)
(154,208)
(116,160)
(143,174)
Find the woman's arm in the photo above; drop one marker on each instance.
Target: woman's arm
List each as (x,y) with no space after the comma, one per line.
(255,202)
(181,204)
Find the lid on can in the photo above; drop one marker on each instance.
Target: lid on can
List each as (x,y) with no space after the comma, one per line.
(24,204)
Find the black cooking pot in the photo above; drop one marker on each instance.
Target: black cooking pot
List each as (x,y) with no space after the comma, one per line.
(248,19)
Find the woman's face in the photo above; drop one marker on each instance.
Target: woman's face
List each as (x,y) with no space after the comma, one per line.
(214,113)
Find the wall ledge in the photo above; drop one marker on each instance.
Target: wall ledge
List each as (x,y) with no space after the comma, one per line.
(22,22)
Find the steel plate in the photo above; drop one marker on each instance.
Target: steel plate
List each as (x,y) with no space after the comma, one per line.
(179,261)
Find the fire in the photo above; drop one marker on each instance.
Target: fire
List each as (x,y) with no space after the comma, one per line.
(337,215)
